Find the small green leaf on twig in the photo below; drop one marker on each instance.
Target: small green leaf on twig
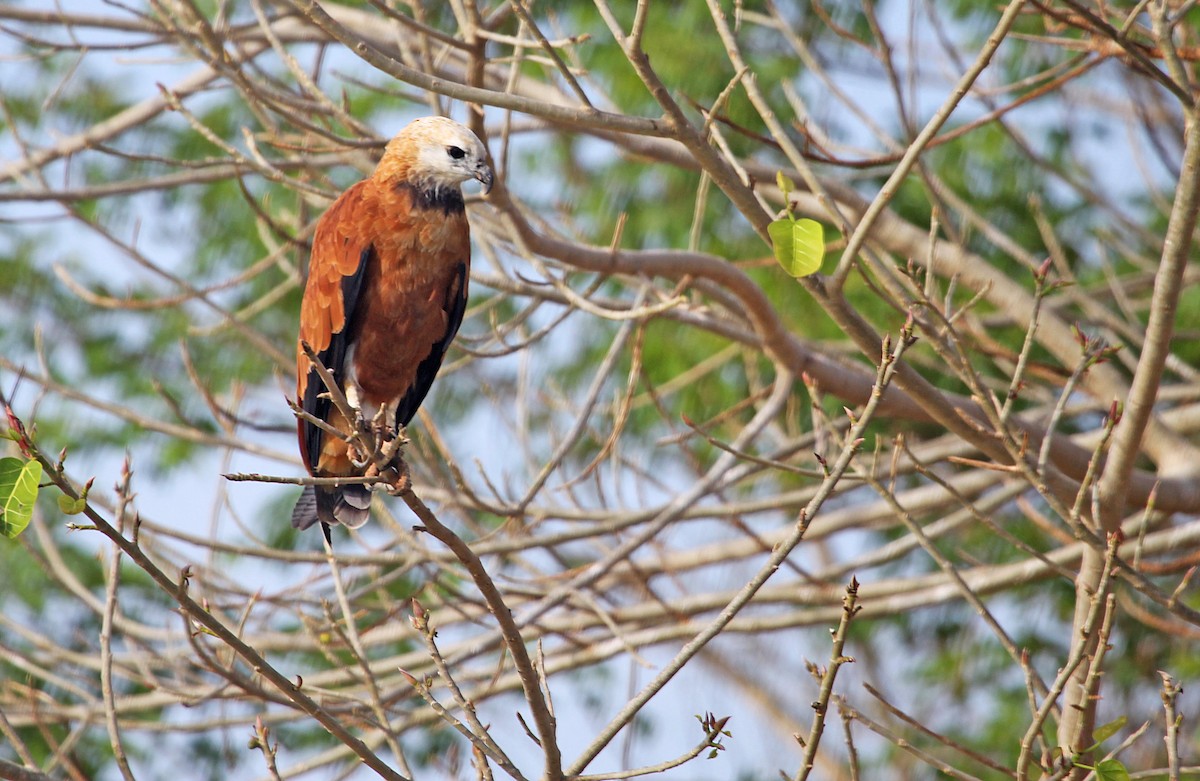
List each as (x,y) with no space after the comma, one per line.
(1107,770)
(1111,770)
(18,491)
(75,506)
(799,245)
(70,506)
(1106,731)
(785,184)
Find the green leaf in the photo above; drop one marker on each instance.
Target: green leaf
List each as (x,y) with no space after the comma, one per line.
(1106,731)
(785,184)
(18,491)
(799,245)
(75,506)
(1111,770)
(71,506)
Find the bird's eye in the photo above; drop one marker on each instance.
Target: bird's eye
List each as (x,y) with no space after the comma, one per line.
(455,152)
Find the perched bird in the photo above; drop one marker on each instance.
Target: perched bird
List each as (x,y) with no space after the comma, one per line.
(386,291)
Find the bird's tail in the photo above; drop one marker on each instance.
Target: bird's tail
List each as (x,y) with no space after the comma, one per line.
(348,505)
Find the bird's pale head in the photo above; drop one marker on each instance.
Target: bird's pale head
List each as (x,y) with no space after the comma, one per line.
(433,153)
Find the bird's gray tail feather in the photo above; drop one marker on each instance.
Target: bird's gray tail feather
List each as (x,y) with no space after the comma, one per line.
(348,505)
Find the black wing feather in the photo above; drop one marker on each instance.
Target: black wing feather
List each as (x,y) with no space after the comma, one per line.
(334,359)
(427,369)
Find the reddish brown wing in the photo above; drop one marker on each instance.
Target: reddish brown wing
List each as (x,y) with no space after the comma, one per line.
(337,267)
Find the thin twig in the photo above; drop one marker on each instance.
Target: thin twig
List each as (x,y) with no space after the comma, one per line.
(836,660)
(534,695)
(1170,694)
(124,496)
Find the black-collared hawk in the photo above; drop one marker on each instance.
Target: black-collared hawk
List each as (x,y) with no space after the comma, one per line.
(386,291)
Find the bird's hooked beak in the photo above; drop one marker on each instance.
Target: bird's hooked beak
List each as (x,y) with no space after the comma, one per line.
(484,174)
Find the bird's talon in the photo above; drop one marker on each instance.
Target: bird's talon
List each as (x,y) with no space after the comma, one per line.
(399,478)
(402,484)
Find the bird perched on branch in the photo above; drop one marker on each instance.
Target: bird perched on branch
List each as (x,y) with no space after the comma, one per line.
(386,291)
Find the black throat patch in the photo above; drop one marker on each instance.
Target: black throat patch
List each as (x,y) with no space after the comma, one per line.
(448,200)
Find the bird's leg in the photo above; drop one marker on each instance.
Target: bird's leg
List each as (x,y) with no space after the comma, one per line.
(380,428)
(388,440)
(389,464)
(391,449)
(361,436)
